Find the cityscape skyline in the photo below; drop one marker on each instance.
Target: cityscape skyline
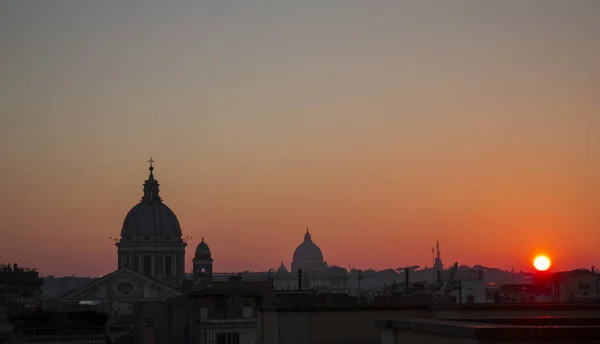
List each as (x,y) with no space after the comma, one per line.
(435,251)
(378,132)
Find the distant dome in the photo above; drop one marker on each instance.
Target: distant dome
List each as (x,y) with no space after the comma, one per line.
(202,251)
(282,269)
(308,251)
(151,217)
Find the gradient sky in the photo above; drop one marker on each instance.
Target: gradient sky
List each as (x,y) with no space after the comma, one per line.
(382,125)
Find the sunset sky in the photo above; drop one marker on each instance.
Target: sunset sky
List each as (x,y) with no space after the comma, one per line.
(382,125)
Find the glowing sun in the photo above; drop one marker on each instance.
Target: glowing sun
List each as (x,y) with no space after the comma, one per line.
(541,263)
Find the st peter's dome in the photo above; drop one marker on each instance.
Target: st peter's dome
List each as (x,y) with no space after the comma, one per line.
(307,251)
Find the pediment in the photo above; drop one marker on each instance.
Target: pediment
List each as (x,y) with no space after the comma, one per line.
(123,284)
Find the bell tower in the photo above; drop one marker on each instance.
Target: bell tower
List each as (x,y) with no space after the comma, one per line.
(203,266)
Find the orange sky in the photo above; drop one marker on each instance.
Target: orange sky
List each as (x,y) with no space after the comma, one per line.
(382,126)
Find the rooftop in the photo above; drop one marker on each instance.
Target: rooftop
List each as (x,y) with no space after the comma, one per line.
(548,329)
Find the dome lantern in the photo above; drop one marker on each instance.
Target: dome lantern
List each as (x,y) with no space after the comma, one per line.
(151,186)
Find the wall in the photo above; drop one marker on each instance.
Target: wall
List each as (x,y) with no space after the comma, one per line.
(486,311)
(357,324)
(342,324)
(500,331)
(152,317)
(474,288)
(569,287)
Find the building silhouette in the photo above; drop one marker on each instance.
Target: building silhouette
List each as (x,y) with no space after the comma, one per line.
(151,240)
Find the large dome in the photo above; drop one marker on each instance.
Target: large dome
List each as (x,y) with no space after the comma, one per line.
(151,218)
(308,251)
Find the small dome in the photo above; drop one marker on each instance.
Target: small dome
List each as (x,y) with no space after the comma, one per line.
(308,251)
(282,269)
(202,251)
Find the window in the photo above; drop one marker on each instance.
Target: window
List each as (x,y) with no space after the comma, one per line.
(228,338)
(148,265)
(179,265)
(584,286)
(168,265)
(125,288)
(220,303)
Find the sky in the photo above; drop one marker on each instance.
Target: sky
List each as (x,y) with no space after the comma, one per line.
(381,125)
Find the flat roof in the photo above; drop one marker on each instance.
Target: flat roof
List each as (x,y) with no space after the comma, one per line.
(511,330)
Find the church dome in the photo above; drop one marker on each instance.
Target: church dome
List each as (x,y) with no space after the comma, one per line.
(282,269)
(202,251)
(308,251)
(151,218)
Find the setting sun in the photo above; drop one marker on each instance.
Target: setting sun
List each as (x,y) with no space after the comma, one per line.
(541,263)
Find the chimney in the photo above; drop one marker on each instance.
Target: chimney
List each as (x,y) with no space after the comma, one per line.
(299,279)
(406,277)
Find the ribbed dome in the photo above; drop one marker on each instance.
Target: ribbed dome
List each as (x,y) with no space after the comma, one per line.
(308,251)
(151,217)
(202,251)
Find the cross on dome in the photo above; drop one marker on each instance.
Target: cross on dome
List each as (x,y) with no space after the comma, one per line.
(151,168)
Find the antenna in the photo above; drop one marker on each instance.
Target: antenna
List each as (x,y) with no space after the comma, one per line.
(433,267)
(360,277)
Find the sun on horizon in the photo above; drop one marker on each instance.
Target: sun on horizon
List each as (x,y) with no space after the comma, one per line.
(541,263)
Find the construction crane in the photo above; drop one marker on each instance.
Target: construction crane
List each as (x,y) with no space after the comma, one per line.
(450,280)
